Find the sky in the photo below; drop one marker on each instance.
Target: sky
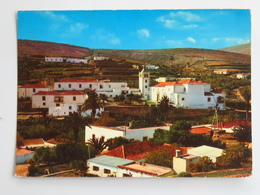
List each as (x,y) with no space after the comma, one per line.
(138,29)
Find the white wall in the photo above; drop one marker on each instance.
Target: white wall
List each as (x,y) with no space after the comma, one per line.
(63,109)
(53,59)
(28,92)
(181,164)
(108,133)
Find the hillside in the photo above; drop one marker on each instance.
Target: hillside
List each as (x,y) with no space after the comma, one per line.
(41,48)
(243,49)
(178,56)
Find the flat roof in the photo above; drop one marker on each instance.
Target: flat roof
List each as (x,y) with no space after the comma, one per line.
(206,151)
(110,161)
(147,168)
(126,128)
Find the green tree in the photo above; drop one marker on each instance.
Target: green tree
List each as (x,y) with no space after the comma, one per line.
(160,157)
(98,143)
(243,134)
(182,126)
(184,174)
(164,107)
(79,166)
(205,164)
(45,155)
(75,122)
(160,136)
(246,94)
(91,103)
(235,156)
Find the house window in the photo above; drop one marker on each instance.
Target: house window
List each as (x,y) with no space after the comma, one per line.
(43,98)
(101,86)
(122,85)
(59,85)
(80,85)
(43,103)
(183,99)
(145,138)
(57,105)
(69,85)
(74,98)
(90,86)
(34,90)
(145,75)
(209,99)
(70,107)
(107,171)
(109,86)
(58,99)
(145,80)
(184,89)
(145,86)
(95,168)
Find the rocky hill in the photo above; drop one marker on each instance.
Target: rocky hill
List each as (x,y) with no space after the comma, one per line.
(243,49)
(42,48)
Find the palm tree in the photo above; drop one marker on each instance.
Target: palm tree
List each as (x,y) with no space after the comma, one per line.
(98,144)
(164,107)
(76,122)
(246,94)
(103,97)
(91,103)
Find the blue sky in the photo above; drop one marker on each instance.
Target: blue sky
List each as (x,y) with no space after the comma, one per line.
(138,29)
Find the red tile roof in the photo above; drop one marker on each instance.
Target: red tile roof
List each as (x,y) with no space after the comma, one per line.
(20,152)
(33,86)
(133,151)
(163,84)
(228,124)
(28,142)
(200,130)
(77,80)
(72,92)
(192,81)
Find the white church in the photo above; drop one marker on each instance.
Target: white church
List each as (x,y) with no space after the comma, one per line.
(186,93)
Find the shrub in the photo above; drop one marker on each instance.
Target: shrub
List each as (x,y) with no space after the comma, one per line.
(184,174)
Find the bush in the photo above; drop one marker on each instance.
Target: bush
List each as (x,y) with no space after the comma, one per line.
(184,174)
(205,164)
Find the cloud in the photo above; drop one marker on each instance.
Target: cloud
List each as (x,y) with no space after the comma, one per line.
(190,26)
(231,40)
(144,32)
(115,41)
(103,36)
(173,43)
(75,30)
(54,16)
(185,15)
(180,20)
(190,39)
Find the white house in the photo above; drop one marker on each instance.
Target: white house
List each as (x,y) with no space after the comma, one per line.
(212,152)
(141,134)
(222,71)
(46,99)
(111,89)
(28,90)
(54,59)
(100,58)
(242,76)
(36,143)
(151,67)
(186,93)
(23,155)
(76,60)
(181,162)
(63,109)
(105,166)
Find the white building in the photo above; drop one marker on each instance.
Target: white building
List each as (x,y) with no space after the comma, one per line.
(105,166)
(29,89)
(54,59)
(181,162)
(212,152)
(46,99)
(186,93)
(111,89)
(144,84)
(151,67)
(63,109)
(222,71)
(76,60)
(242,76)
(141,134)
(101,58)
